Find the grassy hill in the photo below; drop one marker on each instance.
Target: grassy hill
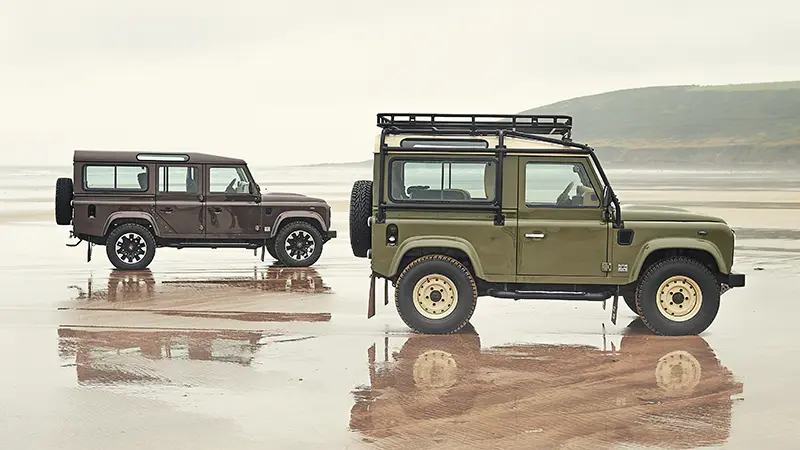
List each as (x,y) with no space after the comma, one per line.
(753,123)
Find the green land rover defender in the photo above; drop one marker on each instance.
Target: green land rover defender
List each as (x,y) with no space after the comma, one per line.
(508,206)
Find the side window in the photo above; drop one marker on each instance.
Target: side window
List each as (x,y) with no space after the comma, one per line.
(177,179)
(228,180)
(127,178)
(564,185)
(437,181)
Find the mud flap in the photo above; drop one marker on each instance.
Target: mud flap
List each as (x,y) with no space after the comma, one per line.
(614,307)
(89,246)
(371,301)
(385,291)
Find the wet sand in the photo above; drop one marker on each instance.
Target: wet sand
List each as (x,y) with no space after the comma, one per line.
(214,349)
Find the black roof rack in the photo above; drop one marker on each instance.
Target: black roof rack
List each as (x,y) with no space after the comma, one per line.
(476,123)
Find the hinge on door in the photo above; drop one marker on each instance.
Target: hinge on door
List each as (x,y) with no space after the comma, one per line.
(605,266)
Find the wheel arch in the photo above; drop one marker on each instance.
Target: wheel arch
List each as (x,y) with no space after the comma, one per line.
(656,250)
(142,218)
(285,217)
(458,248)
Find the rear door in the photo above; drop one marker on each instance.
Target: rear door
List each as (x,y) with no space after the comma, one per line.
(179,200)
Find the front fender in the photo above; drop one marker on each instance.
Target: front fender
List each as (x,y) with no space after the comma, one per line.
(131,215)
(678,243)
(437,242)
(289,215)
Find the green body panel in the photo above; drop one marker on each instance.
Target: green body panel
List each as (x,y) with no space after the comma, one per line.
(490,262)
(579,245)
(574,242)
(652,236)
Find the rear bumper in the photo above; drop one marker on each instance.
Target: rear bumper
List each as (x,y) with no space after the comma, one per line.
(733,279)
(330,234)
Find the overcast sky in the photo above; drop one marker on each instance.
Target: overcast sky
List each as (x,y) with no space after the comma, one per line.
(297,82)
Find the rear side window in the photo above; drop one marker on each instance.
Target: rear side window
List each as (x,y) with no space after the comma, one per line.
(177,179)
(123,178)
(443,181)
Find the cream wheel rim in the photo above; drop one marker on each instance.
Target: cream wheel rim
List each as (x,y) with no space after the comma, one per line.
(435,369)
(679,298)
(435,296)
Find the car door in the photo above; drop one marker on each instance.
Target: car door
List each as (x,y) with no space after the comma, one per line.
(561,231)
(232,210)
(179,200)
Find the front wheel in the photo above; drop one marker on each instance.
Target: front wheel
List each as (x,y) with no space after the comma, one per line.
(130,246)
(436,294)
(678,296)
(298,244)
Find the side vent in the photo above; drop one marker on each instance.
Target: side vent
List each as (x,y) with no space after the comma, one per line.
(625,236)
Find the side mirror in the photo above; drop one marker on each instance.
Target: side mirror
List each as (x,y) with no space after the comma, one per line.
(606,197)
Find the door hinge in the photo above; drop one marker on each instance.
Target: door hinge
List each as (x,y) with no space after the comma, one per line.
(605,266)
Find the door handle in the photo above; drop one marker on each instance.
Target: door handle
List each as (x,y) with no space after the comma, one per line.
(216,210)
(166,210)
(534,235)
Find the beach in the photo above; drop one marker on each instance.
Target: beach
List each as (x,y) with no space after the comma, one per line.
(213,349)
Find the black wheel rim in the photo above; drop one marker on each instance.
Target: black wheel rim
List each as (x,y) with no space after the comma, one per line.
(131,248)
(300,245)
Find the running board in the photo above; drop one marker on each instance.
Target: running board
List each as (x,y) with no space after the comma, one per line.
(180,245)
(551,295)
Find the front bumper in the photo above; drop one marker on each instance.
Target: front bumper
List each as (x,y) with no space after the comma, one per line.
(733,279)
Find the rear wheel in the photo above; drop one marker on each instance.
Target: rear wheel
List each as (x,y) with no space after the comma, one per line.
(64,195)
(130,246)
(298,244)
(360,212)
(678,296)
(436,294)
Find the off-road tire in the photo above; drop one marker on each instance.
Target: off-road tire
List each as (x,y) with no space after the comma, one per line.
(135,230)
(285,232)
(447,267)
(360,211)
(64,195)
(647,300)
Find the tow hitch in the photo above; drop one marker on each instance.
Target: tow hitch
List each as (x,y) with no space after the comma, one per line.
(89,246)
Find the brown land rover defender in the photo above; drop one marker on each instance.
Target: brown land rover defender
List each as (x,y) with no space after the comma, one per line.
(133,202)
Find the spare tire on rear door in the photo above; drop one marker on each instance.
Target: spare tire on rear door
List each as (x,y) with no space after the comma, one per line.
(360,211)
(64,193)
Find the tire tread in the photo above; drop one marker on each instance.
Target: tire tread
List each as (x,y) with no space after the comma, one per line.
(360,211)
(649,273)
(447,259)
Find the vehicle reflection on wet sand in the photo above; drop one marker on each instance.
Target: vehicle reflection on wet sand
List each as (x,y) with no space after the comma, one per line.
(127,356)
(129,353)
(447,392)
(132,286)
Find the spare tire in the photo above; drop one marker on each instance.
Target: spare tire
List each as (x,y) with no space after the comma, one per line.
(360,211)
(64,194)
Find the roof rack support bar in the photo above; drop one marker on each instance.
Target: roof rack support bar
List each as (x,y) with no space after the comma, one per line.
(618,223)
(499,219)
(381,216)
